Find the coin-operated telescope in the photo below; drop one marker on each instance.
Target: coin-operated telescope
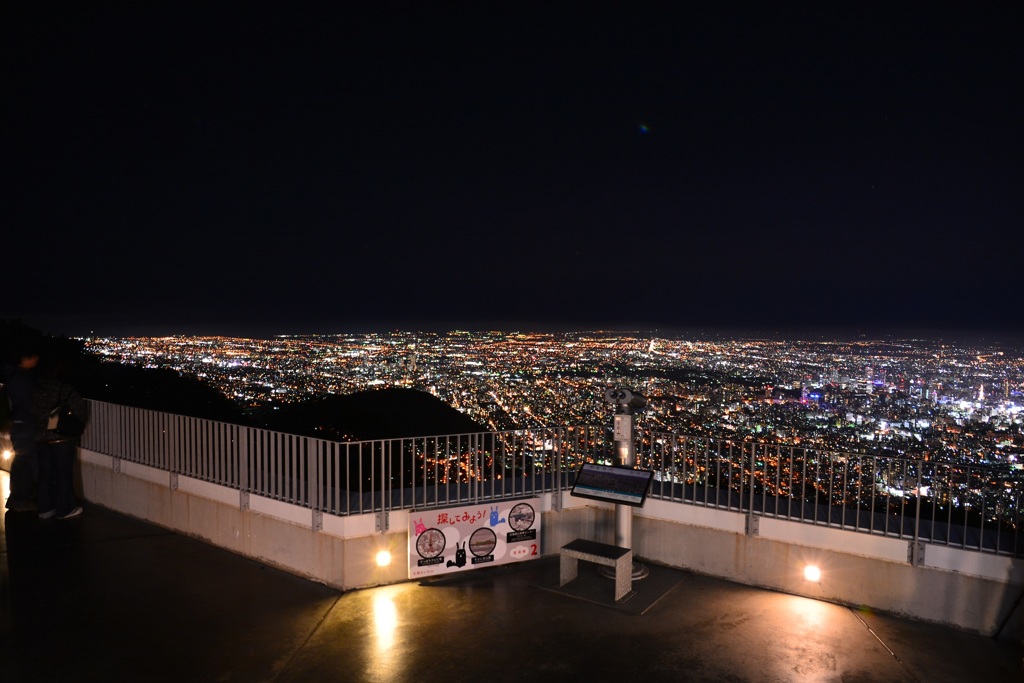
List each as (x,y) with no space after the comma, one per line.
(625,401)
(626,404)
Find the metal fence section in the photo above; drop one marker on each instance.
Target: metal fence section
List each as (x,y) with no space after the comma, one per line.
(345,478)
(968,506)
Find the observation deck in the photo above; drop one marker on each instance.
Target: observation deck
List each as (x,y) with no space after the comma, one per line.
(214,552)
(107,597)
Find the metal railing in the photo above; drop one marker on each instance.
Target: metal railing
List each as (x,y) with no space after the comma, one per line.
(968,506)
(963,505)
(344,478)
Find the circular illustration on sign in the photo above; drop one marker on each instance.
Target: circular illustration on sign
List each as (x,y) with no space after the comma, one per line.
(430,543)
(482,542)
(521,516)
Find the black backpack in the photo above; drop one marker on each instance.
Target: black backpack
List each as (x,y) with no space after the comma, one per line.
(62,419)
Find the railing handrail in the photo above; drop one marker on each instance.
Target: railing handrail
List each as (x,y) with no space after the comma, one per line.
(852,491)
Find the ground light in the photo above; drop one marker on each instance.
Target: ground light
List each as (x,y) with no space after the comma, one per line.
(812,573)
(383,558)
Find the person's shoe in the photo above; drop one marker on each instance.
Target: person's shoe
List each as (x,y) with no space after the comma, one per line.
(49,514)
(74,513)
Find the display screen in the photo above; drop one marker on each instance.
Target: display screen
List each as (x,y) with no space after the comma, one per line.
(613,483)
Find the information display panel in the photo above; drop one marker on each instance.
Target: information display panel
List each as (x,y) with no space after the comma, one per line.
(613,483)
(444,540)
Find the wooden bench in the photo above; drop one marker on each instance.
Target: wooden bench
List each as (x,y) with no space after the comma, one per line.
(599,553)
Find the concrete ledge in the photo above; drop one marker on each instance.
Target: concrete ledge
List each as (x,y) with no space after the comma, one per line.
(967,590)
(98,459)
(983,565)
(208,490)
(212,513)
(853,543)
(697,515)
(287,512)
(146,473)
(843,541)
(350,526)
(977,604)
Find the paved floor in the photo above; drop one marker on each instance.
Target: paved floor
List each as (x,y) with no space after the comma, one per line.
(106,597)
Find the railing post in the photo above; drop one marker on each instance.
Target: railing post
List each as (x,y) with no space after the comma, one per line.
(312,473)
(244,436)
(474,469)
(559,466)
(917,547)
(174,461)
(753,446)
(915,553)
(382,522)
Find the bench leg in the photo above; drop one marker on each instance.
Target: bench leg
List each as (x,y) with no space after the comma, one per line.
(623,576)
(567,569)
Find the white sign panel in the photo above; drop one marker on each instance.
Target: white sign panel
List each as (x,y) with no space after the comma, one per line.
(443,540)
(623,427)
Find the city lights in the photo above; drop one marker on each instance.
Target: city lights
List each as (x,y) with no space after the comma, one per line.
(915,402)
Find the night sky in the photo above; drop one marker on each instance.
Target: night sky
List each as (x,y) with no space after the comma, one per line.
(258,168)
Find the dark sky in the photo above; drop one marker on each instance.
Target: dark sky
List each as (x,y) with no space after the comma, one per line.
(250,168)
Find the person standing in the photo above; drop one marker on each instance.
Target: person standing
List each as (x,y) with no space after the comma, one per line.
(55,451)
(24,469)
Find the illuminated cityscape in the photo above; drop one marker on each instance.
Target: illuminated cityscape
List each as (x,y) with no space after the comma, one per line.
(874,425)
(933,400)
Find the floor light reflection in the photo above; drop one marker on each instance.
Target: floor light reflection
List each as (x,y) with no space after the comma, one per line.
(385,621)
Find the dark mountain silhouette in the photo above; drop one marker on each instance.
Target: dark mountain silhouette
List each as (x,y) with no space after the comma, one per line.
(128,385)
(365,415)
(157,389)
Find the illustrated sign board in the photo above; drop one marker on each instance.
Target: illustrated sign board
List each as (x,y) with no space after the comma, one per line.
(613,484)
(444,540)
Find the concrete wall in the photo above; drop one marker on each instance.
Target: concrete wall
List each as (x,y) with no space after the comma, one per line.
(341,554)
(966,590)
(962,589)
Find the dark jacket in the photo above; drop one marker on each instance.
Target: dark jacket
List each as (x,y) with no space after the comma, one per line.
(20,387)
(49,394)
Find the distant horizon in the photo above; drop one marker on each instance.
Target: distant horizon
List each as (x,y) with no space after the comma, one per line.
(720,333)
(75,327)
